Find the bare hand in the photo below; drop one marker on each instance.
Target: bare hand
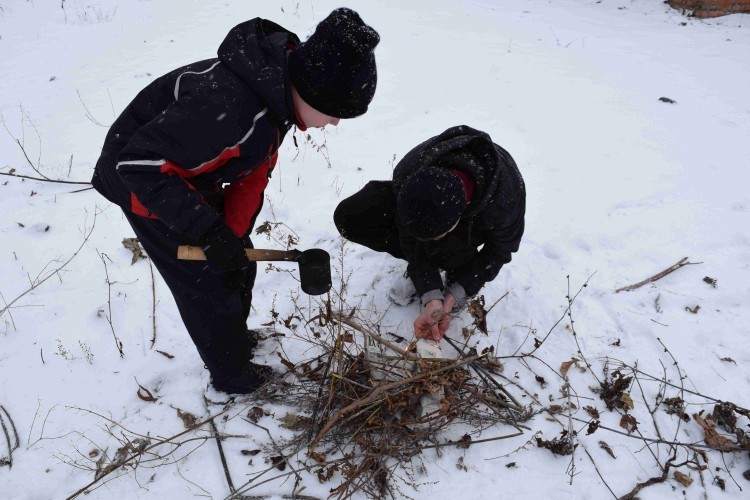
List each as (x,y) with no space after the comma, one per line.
(448,302)
(428,324)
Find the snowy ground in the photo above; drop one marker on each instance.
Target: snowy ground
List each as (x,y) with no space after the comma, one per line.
(620,186)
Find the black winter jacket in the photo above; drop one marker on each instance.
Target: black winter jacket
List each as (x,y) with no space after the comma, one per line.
(493,220)
(198,128)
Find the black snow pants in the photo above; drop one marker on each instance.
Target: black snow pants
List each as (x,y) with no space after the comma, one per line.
(215,315)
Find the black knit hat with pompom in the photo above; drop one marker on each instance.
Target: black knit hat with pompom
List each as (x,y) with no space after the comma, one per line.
(430,202)
(334,70)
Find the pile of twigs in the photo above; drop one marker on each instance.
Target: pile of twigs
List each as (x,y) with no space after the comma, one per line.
(362,431)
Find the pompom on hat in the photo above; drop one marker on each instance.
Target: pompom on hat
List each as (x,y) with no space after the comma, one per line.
(334,70)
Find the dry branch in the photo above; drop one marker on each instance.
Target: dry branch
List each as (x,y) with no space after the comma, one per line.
(681,263)
(38,282)
(44,179)
(223,458)
(118,343)
(135,455)
(153,299)
(12,443)
(375,336)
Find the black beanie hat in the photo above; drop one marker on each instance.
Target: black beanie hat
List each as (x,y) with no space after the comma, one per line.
(430,202)
(334,70)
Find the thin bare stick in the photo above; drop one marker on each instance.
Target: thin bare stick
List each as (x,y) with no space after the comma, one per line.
(45,179)
(466,444)
(39,281)
(498,301)
(138,454)
(280,451)
(12,321)
(681,263)
(35,168)
(12,446)
(654,480)
(153,298)
(539,343)
(670,384)
(118,343)
(249,484)
(375,336)
(88,112)
(664,441)
(12,426)
(597,471)
(221,455)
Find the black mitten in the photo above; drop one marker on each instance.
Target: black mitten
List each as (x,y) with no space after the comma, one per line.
(223,249)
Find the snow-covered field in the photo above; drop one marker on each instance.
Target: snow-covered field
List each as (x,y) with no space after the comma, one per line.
(621,185)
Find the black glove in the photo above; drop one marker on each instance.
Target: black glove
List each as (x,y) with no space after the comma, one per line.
(223,249)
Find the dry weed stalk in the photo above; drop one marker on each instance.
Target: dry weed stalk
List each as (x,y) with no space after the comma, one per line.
(21,143)
(138,449)
(46,274)
(11,437)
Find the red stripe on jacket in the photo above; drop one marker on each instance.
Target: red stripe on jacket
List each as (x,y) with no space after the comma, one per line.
(225,156)
(242,200)
(138,209)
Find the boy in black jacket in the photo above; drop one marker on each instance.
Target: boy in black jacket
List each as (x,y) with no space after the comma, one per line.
(189,158)
(449,196)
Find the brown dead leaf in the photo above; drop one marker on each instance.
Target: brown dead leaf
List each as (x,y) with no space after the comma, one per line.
(626,401)
(477,311)
(465,441)
(188,419)
(712,438)
(318,457)
(721,483)
(555,409)
(593,412)
(145,394)
(604,446)
(134,246)
(295,422)
(683,479)
(560,445)
(279,462)
(255,413)
(565,366)
(593,427)
(286,362)
(629,423)
(165,354)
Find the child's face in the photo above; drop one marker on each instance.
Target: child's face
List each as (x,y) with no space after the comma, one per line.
(310,116)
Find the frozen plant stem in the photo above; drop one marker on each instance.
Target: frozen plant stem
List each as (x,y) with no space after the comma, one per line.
(681,263)
(36,283)
(118,344)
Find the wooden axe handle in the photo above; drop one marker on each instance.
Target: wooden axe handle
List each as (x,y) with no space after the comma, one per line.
(186,252)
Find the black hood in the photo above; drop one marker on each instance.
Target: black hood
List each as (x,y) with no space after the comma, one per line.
(462,148)
(256,51)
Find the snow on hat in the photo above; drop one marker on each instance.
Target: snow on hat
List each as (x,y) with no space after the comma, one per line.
(430,202)
(334,70)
